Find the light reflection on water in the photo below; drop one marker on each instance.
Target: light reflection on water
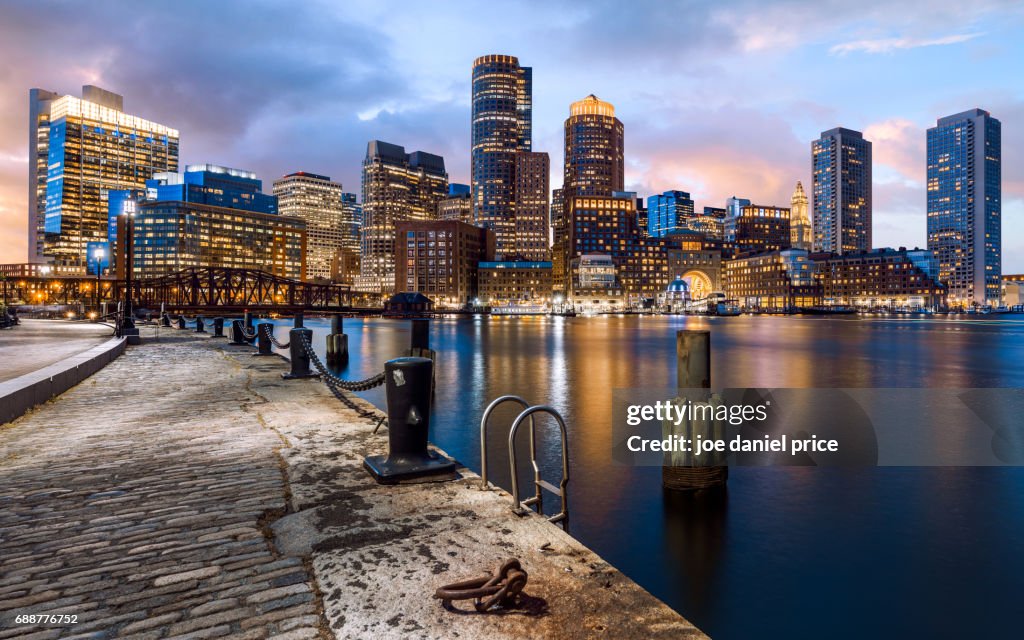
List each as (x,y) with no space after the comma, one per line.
(800,552)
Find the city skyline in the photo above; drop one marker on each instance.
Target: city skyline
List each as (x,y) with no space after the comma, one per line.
(727,112)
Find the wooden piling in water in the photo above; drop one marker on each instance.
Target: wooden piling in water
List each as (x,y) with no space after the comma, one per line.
(693,360)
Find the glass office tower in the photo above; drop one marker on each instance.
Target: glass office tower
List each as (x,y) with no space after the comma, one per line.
(965,205)
(81,149)
(501,127)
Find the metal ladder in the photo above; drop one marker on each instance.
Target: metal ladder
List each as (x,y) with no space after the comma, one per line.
(522,507)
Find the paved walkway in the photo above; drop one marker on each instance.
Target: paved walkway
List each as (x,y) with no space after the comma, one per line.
(35,344)
(187,491)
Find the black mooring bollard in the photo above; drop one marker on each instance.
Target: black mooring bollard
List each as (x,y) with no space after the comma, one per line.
(200,325)
(237,333)
(218,327)
(263,339)
(297,352)
(165,320)
(336,324)
(181,322)
(247,321)
(408,386)
(298,320)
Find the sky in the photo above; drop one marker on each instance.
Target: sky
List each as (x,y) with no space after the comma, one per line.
(718,98)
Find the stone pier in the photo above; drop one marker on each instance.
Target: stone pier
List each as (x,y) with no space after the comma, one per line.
(187,491)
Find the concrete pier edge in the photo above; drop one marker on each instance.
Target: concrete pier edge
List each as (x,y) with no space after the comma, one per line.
(20,394)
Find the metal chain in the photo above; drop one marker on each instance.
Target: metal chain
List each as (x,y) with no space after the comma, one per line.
(333,380)
(270,336)
(500,588)
(248,335)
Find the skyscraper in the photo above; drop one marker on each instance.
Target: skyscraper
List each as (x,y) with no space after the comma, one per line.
(502,126)
(80,149)
(396,187)
(329,222)
(965,205)
(532,189)
(594,150)
(668,213)
(801,234)
(841,191)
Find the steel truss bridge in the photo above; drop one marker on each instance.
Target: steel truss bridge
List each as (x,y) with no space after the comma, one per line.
(193,290)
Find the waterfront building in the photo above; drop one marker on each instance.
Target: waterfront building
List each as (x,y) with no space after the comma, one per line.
(607,225)
(801,234)
(964,196)
(397,187)
(841,191)
(559,241)
(516,286)
(594,284)
(762,228)
(697,262)
(214,216)
(773,281)
(502,121)
(733,210)
(79,150)
(330,224)
(1013,290)
(668,212)
(439,258)
(532,189)
(458,205)
(882,278)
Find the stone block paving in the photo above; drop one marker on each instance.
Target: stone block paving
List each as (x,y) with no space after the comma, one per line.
(140,502)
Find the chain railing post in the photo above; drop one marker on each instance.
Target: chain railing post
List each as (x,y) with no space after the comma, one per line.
(264,331)
(297,338)
(408,384)
(337,344)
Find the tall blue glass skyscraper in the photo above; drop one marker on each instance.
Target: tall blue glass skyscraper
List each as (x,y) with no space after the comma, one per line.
(668,213)
(964,205)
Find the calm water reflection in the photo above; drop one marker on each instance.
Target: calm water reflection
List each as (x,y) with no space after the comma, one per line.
(800,552)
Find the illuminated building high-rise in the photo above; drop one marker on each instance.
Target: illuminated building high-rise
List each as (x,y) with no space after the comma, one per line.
(396,187)
(965,205)
(501,127)
(532,189)
(841,191)
(80,149)
(800,230)
(668,213)
(594,150)
(331,225)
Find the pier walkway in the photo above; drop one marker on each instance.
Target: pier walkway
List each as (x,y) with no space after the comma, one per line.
(187,491)
(34,344)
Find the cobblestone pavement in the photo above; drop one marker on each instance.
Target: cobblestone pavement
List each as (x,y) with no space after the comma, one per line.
(187,491)
(137,501)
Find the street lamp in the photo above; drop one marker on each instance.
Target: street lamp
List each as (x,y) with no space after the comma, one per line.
(98,254)
(128,321)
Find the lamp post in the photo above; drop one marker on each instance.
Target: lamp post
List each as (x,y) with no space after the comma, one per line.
(98,254)
(129,262)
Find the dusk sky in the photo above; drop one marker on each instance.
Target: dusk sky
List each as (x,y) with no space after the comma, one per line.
(717,98)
